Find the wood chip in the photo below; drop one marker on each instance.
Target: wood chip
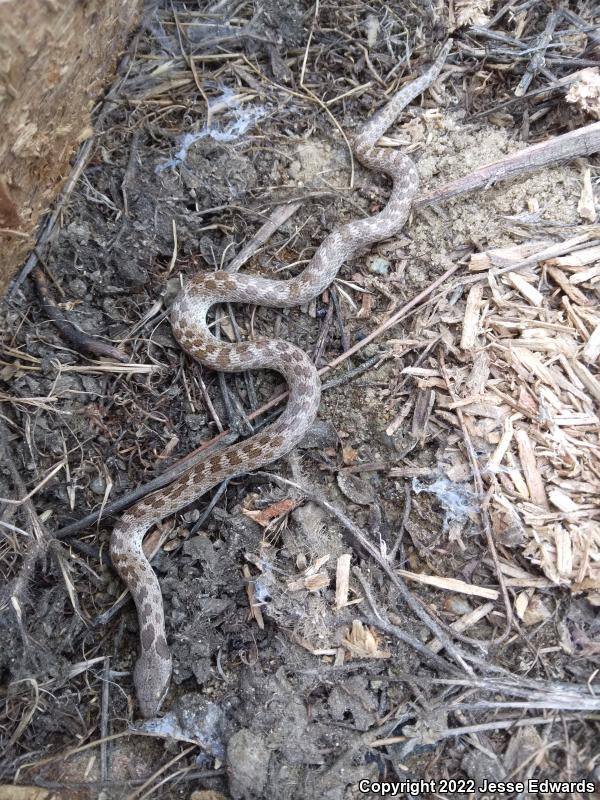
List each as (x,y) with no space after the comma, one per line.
(363,642)
(450,584)
(252,601)
(529,358)
(591,351)
(562,501)
(560,278)
(530,608)
(587,275)
(591,383)
(535,484)
(265,516)
(506,256)
(312,579)
(342,580)
(578,258)
(525,289)
(471,317)
(464,623)
(564,552)
(586,208)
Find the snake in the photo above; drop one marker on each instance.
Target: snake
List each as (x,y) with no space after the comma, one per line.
(152,671)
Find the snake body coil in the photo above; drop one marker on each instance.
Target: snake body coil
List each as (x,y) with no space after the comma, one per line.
(153,669)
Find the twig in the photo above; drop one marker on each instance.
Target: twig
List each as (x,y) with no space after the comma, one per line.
(322,337)
(104,722)
(82,342)
(25,499)
(112,509)
(380,621)
(345,342)
(537,62)
(37,545)
(213,502)
(575,144)
(404,520)
(266,230)
(350,374)
(505,724)
(141,789)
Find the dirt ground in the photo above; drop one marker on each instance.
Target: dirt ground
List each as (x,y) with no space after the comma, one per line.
(298,698)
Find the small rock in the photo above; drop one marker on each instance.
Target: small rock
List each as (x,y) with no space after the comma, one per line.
(202,670)
(247,764)
(98,485)
(320,435)
(132,273)
(200,548)
(195,422)
(214,606)
(78,288)
(355,488)
(481,766)
(172,289)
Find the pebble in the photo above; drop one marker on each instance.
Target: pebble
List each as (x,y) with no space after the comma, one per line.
(78,288)
(320,435)
(247,764)
(98,485)
(356,489)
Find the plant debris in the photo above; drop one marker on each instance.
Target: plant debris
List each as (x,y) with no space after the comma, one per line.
(411,593)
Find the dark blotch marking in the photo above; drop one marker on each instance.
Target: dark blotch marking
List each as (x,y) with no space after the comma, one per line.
(251,450)
(161,647)
(234,459)
(147,637)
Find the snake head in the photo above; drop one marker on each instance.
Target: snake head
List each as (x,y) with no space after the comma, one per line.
(151,677)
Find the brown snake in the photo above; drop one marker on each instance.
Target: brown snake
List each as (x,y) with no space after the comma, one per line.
(152,671)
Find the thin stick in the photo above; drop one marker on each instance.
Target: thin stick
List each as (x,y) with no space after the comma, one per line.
(141,789)
(82,342)
(575,144)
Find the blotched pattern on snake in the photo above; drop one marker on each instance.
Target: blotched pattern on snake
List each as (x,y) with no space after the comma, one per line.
(152,671)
